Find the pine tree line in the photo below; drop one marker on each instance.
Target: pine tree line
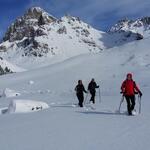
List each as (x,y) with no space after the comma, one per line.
(4,71)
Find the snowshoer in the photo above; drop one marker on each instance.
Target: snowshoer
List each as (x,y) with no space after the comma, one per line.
(129,89)
(79,92)
(92,88)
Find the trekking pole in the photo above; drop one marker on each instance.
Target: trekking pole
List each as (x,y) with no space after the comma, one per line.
(122,99)
(139,99)
(100,100)
(85,99)
(74,96)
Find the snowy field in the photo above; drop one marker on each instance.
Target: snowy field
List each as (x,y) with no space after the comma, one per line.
(57,124)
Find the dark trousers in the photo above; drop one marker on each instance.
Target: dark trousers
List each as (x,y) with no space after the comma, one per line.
(130,103)
(92,96)
(80,98)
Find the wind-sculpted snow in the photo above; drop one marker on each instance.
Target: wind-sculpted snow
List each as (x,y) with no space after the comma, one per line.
(24,106)
(9,93)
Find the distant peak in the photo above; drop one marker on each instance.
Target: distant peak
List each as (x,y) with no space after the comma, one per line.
(35,11)
(70,18)
(36,8)
(129,23)
(25,25)
(146,20)
(124,20)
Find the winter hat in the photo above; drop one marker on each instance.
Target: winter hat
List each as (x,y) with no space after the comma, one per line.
(92,79)
(79,81)
(129,75)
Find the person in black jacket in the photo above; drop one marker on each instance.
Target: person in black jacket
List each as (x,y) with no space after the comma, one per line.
(79,92)
(91,87)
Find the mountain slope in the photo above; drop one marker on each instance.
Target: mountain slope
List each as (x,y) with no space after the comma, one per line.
(38,39)
(140,26)
(64,126)
(39,36)
(6,67)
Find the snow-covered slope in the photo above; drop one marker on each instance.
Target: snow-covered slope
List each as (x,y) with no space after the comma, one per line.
(64,126)
(38,39)
(6,67)
(140,26)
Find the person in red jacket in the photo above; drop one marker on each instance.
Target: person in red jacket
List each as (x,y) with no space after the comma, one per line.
(129,89)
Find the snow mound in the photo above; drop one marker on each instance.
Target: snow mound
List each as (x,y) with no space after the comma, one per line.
(10,93)
(31,82)
(25,106)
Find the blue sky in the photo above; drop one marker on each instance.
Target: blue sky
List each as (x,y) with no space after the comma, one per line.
(101,14)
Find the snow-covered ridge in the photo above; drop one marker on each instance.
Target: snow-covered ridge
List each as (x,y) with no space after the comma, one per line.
(26,24)
(37,39)
(34,39)
(141,26)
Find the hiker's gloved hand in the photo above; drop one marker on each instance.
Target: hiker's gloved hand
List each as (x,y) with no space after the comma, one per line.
(140,93)
(123,93)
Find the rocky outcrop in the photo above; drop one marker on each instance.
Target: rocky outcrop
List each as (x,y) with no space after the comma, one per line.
(26,26)
(139,26)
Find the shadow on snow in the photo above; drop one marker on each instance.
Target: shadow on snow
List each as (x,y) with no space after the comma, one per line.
(102,113)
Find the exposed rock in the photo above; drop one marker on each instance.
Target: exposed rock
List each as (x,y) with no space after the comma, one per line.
(62,30)
(33,48)
(139,36)
(5,70)
(26,25)
(146,20)
(132,25)
(3,48)
(40,32)
(85,32)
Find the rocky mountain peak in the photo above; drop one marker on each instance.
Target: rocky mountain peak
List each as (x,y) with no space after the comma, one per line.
(131,25)
(121,25)
(71,18)
(140,27)
(34,12)
(37,13)
(146,20)
(38,34)
(26,25)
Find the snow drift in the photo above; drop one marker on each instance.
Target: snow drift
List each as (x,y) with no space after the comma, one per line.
(9,93)
(25,106)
